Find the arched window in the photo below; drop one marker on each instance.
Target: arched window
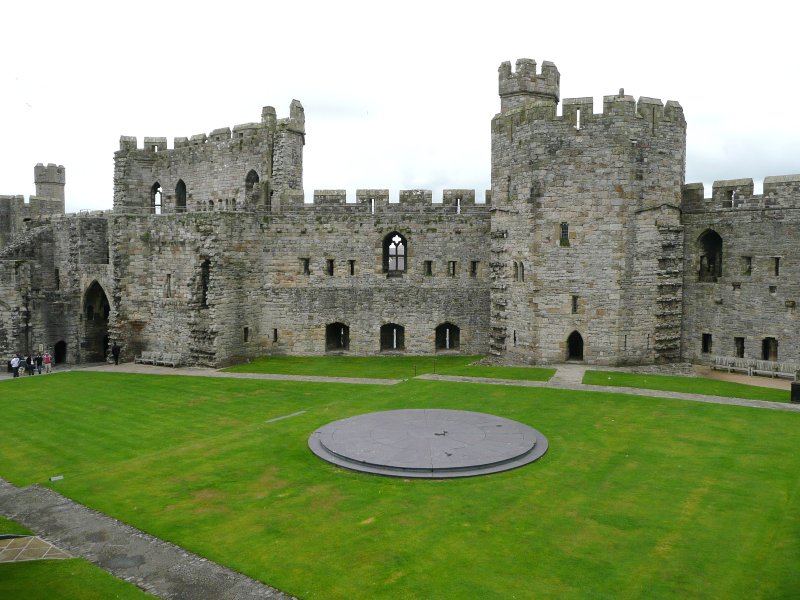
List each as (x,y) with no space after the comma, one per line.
(180,196)
(250,187)
(710,247)
(392,337)
(337,337)
(447,336)
(155,198)
(211,205)
(395,251)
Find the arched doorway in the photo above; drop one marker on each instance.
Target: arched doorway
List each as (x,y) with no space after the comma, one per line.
(575,346)
(96,309)
(710,244)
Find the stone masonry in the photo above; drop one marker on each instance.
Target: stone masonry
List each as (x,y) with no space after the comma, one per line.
(589,246)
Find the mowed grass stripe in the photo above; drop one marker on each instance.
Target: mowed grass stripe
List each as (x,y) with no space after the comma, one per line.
(637,498)
(688,385)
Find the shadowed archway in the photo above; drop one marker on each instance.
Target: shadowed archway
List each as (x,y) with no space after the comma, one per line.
(575,346)
(96,309)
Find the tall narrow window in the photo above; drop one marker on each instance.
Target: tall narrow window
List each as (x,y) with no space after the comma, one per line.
(394,254)
(451,268)
(747,265)
(458,206)
(274,335)
(246,334)
(180,196)
(329,267)
(352,264)
(58,279)
(155,198)
(574,305)
(776,265)
(578,118)
(738,347)
(205,276)
(516,271)
(168,286)
(305,265)
(563,238)
(522,271)
(473,268)
(428,268)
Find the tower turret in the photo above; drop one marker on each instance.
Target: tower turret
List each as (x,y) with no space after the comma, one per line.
(50,181)
(524,84)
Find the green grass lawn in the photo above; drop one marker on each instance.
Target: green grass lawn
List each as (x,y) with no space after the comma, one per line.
(386,367)
(637,497)
(68,579)
(59,579)
(689,385)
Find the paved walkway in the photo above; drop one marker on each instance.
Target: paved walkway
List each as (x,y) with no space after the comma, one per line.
(21,548)
(156,566)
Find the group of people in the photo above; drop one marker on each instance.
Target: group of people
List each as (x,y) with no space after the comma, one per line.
(30,364)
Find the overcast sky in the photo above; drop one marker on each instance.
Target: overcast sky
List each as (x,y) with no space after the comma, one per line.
(397,95)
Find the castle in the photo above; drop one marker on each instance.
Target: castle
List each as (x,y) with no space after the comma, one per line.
(589,246)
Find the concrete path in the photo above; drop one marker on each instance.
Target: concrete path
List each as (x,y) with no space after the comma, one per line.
(156,566)
(567,383)
(22,548)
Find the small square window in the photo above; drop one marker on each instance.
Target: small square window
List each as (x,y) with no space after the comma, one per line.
(773,289)
(428,267)
(736,286)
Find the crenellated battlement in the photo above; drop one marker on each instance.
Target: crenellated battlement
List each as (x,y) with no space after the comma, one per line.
(244,132)
(579,112)
(378,201)
(782,191)
(524,83)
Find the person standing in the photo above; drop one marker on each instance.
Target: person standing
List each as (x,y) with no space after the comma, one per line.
(48,363)
(39,362)
(115,350)
(15,365)
(29,364)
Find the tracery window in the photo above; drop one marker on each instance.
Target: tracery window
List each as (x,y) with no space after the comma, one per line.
(394,254)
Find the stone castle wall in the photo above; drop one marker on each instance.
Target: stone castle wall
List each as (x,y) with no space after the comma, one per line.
(613,182)
(588,231)
(751,298)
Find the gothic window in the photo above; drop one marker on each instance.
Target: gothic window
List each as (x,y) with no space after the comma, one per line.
(394,254)
(337,337)
(447,336)
(180,196)
(155,198)
(250,184)
(392,337)
(710,246)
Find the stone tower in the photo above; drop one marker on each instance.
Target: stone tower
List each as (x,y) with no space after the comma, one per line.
(50,181)
(586,242)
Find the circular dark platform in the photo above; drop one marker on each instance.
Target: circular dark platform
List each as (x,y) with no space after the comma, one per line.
(428,443)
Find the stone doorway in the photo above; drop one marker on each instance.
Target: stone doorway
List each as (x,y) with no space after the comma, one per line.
(575,346)
(60,353)
(96,310)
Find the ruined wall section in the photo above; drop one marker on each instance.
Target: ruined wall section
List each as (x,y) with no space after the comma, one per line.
(216,170)
(752,298)
(358,292)
(614,181)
